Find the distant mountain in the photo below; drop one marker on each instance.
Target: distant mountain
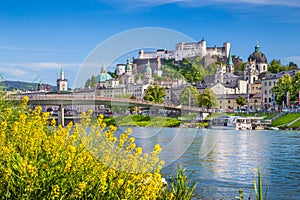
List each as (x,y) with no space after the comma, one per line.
(19,85)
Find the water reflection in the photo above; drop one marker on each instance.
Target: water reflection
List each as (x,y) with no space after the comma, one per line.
(224,161)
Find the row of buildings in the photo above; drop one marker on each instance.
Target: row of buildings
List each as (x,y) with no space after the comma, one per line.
(133,78)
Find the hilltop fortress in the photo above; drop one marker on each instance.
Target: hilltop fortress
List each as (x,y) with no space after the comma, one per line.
(187,50)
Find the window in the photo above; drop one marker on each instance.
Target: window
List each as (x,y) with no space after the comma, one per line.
(228,101)
(270,83)
(265,99)
(255,100)
(265,83)
(270,99)
(266,92)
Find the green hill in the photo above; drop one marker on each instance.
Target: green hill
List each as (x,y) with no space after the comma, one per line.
(19,85)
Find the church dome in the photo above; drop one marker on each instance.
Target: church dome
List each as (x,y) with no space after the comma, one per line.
(257,56)
(103,76)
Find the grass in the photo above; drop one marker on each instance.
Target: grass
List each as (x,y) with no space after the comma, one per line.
(142,120)
(296,124)
(285,119)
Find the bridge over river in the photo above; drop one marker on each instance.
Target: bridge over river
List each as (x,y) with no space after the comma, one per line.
(74,99)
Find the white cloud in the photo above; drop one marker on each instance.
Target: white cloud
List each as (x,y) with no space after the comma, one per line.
(13,71)
(295,59)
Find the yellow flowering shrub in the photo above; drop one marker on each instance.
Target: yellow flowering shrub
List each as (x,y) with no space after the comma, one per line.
(39,160)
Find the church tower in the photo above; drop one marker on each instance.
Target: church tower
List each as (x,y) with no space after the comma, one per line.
(62,82)
(128,69)
(148,74)
(229,66)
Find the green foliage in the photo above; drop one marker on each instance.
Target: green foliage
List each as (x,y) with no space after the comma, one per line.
(180,186)
(292,66)
(191,69)
(208,99)
(91,82)
(241,101)
(258,187)
(275,66)
(281,88)
(189,96)
(82,161)
(295,87)
(285,119)
(155,93)
(142,121)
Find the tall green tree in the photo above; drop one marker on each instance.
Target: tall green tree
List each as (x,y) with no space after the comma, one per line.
(241,101)
(281,88)
(155,93)
(295,87)
(189,96)
(208,99)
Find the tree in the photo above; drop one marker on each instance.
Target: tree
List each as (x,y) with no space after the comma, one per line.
(295,87)
(292,66)
(241,101)
(92,82)
(281,88)
(133,109)
(275,66)
(189,96)
(208,99)
(155,93)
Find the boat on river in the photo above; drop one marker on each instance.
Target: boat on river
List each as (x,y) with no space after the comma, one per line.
(239,123)
(223,122)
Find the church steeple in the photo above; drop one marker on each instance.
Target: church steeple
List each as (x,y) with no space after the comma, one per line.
(229,67)
(128,65)
(148,70)
(62,83)
(62,74)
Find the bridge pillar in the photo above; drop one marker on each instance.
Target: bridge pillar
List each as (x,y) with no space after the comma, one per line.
(61,115)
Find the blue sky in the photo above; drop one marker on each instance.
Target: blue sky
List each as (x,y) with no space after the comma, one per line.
(38,37)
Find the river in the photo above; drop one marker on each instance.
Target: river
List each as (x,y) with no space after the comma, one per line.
(222,161)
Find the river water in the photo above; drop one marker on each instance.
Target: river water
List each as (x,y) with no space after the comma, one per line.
(222,161)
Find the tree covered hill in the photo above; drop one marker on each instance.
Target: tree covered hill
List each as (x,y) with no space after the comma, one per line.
(19,85)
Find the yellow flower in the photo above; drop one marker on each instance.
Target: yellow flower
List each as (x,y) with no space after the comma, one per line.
(139,151)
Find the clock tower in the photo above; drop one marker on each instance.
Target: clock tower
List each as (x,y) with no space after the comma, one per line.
(62,82)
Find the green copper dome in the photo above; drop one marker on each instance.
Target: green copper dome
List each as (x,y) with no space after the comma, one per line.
(103,76)
(257,56)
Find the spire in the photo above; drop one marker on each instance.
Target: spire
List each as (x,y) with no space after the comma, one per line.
(229,60)
(62,73)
